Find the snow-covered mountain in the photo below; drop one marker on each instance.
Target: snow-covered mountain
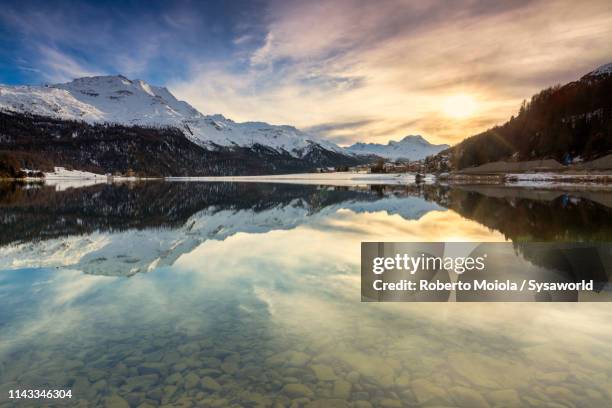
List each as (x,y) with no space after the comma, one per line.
(119,100)
(410,147)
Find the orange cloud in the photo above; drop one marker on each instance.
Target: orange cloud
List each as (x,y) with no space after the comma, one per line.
(390,65)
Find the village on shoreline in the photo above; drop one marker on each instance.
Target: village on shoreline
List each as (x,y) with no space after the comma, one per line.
(537,174)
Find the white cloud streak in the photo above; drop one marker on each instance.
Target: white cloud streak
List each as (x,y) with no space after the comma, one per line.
(390,64)
(60,67)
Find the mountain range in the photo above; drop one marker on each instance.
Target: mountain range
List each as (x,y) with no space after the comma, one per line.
(409,148)
(119,100)
(114,124)
(111,124)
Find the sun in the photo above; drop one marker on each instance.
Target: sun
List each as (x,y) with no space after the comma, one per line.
(459,106)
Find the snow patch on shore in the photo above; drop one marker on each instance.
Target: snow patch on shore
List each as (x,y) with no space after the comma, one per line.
(63,173)
(62,178)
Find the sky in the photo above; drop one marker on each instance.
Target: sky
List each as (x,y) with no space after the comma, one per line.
(345,70)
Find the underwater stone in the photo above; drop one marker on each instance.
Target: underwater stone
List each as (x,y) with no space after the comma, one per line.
(191,380)
(297,390)
(323,372)
(506,397)
(428,392)
(209,384)
(328,403)
(467,398)
(342,389)
(115,401)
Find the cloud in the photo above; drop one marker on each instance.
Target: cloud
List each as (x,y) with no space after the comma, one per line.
(329,128)
(155,40)
(243,39)
(322,62)
(340,133)
(60,67)
(387,65)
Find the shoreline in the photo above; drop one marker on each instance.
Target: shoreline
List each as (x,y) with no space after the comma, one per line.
(333,178)
(544,180)
(533,179)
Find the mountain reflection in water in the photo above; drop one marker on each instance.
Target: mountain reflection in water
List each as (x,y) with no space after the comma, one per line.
(123,229)
(248,295)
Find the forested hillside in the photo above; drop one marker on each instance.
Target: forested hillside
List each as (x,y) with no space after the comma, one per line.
(563,123)
(34,142)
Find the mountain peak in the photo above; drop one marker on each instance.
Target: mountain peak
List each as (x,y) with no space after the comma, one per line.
(98,80)
(605,69)
(411,147)
(104,84)
(414,139)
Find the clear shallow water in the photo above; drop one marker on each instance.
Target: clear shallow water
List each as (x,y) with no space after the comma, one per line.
(195,294)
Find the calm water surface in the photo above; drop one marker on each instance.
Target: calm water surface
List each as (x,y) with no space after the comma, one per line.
(248,295)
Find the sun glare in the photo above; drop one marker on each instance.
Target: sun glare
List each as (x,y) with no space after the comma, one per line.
(459,106)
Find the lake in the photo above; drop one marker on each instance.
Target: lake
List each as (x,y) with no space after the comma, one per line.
(248,295)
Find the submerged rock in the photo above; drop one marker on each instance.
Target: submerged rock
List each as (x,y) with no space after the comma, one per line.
(229,367)
(209,384)
(141,382)
(297,390)
(175,378)
(116,401)
(328,403)
(467,398)
(323,372)
(509,398)
(342,389)
(375,369)
(152,368)
(353,377)
(290,358)
(403,381)
(188,349)
(191,381)
(553,377)
(298,359)
(169,391)
(427,392)
(486,371)
(96,375)
(100,386)
(390,403)
(146,405)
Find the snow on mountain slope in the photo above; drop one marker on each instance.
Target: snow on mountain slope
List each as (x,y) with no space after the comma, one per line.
(116,99)
(605,69)
(410,147)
